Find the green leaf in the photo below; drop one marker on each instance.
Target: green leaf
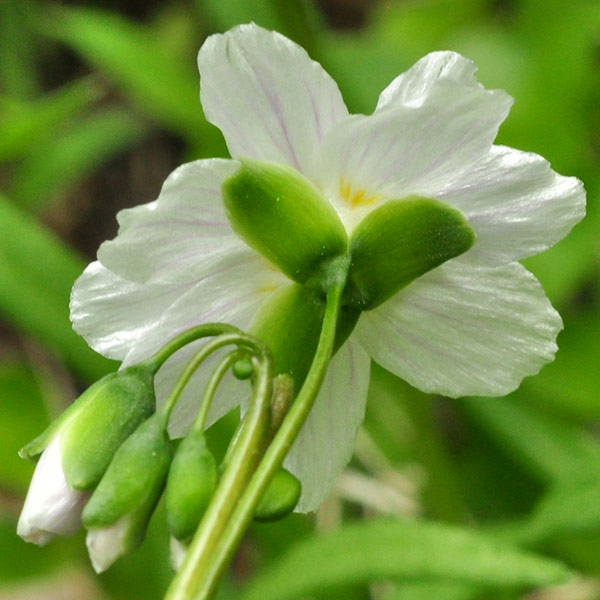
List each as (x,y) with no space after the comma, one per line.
(567,510)
(552,449)
(570,383)
(400,241)
(69,156)
(18,50)
(282,215)
(434,590)
(37,272)
(159,82)
(386,549)
(24,125)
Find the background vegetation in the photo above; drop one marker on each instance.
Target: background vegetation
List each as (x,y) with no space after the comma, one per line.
(445,499)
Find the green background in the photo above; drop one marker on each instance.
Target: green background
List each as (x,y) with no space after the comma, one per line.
(482,498)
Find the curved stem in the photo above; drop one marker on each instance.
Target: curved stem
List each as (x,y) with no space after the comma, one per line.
(191,335)
(211,388)
(218,557)
(235,478)
(241,339)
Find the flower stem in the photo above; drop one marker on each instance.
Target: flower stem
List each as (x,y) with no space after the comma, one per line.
(190,335)
(211,389)
(244,458)
(205,564)
(242,340)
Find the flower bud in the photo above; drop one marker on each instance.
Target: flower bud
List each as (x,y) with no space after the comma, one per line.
(282,215)
(97,423)
(120,508)
(400,241)
(51,507)
(192,481)
(280,498)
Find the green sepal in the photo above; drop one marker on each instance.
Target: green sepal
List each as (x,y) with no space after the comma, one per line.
(134,479)
(282,215)
(289,323)
(191,484)
(95,425)
(280,498)
(114,411)
(398,242)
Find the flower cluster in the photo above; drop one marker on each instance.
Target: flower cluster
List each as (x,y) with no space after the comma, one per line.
(431,217)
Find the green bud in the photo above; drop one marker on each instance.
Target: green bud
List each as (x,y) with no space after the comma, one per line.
(282,215)
(97,423)
(289,323)
(192,481)
(243,369)
(123,502)
(280,498)
(400,241)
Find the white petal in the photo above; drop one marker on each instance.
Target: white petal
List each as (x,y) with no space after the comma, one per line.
(403,149)
(51,507)
(112,313)
(270,100)
(177,237)
(326,442)
(414,86)
(516,203)
(106,544)
(464,330)
(130,321)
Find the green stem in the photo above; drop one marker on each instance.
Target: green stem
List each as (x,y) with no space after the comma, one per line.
(211,388)
(241,339)
(244,457)
(190,335)
(216,559)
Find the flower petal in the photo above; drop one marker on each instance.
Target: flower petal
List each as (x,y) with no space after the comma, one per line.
(129,321)
(404,149)
(516,203)
(177,237)
(51,507)
(113,313)
(464,330)
(326,441)
(270,100)
(414,86)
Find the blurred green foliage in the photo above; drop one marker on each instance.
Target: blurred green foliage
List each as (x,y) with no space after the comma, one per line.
(486,498)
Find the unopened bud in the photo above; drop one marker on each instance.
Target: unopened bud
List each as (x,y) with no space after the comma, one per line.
(118,512)
(192,481)
(280,498)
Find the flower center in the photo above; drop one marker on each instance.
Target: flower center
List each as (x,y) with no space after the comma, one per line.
(356,198)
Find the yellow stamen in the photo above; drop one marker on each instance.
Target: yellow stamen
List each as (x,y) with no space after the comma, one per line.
(356,198)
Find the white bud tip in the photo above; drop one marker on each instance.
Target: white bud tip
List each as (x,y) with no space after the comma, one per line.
(52,507)
(105,545)
(178,552)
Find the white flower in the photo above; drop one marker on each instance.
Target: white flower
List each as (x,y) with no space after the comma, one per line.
(52,507)
(476,325)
